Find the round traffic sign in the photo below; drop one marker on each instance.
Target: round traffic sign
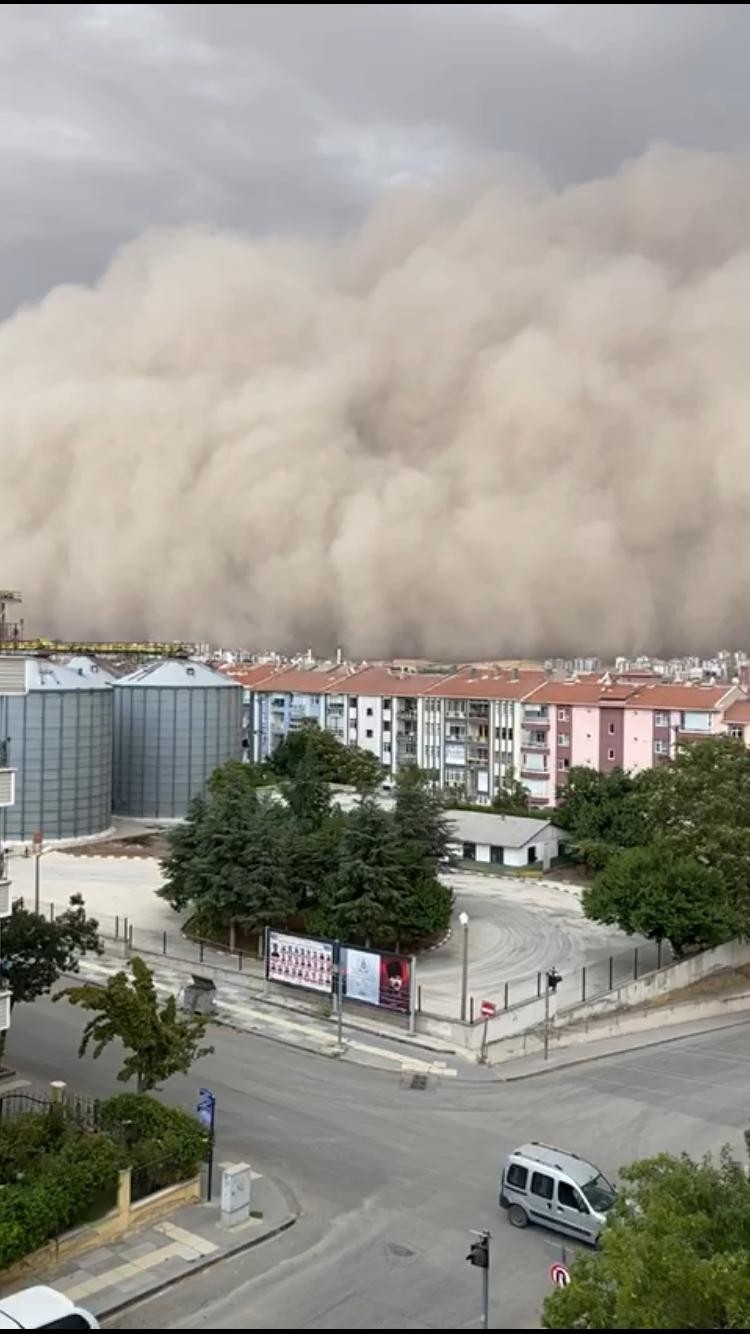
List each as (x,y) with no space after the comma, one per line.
(559,1275)
(487,1009)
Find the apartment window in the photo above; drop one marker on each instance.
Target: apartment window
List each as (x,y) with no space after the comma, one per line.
(563,715)
(737,733)
(368,732)
(563,739)
(610,754)
(661,720)
(386,725)
(661,747)
(386,705)
(611,729)
(563,764)
(368,711)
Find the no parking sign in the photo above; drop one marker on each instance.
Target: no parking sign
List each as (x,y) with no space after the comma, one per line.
(559,1275)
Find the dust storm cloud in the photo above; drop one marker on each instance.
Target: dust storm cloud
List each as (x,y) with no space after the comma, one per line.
(499,419)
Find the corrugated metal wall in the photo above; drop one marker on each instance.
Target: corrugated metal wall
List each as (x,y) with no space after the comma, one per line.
(167,742)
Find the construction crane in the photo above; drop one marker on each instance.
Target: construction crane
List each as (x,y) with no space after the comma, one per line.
(12,641)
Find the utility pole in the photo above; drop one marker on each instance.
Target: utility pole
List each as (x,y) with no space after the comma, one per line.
(479,1256)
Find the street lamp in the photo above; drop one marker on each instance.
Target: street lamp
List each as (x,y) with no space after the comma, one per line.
(463,918)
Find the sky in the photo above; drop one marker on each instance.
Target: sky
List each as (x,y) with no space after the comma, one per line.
(294,118)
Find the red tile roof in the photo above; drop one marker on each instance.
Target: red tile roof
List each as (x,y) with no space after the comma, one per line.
(593,692)
(680,695)
(739,712)
(472,683)
(386,681)
(301,681)
(250,677)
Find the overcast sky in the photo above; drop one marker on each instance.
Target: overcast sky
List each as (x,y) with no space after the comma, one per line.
(114,118)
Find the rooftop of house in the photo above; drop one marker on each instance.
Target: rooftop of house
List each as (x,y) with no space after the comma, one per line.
(595,691)
(386,681)
(503,831)
(477,683)
(685,696)
(738,712)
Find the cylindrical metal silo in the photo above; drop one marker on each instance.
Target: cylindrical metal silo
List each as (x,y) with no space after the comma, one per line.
(60,743)
(174,722)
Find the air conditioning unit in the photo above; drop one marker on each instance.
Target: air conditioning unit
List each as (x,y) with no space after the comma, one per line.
(5,900)
(7,787)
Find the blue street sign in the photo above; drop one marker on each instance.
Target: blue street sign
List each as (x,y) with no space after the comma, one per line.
(205,1114)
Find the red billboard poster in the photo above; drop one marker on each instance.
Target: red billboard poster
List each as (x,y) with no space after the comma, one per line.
(395,982)
(299,961)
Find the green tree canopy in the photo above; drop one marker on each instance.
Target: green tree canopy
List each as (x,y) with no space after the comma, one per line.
(336,763)
(160,1042)
(359,903)
(657,892)
(36,951)
(674,1256)
(602,813)
(512,798)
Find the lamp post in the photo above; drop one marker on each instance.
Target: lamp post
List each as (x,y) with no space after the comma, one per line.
(463,918)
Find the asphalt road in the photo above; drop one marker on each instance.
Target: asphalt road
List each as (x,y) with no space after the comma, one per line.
(390,1180)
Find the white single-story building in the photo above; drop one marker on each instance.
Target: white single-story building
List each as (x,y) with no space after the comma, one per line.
(504,840)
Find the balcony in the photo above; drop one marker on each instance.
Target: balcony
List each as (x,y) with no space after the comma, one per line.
(530,741)
(538,717)
(479,711)
(455,709)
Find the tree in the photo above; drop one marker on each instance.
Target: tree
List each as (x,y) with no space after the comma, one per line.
(336,762)
(512,799)
(36,950)
(674,1256)
(421,824)
(360,899)
(160,1041)
(657,892)
(307,793)
(602,812)
(237,771)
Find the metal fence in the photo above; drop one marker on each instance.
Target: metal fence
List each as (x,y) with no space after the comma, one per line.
(576,985)
(79,1108)
(168,1169)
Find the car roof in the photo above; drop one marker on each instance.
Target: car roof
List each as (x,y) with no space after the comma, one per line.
(578,1169)
(33,1308)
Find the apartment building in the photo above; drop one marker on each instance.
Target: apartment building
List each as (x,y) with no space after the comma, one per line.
(471,735)
(658,717)
(384,711)
(13,681)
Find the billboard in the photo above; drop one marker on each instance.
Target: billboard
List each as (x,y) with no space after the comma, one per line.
(299,961)
(377,979)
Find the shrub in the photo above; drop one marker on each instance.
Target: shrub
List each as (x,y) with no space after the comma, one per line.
(162,1145)
(69,1186)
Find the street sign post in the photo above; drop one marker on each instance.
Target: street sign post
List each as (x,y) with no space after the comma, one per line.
(206,1109)
(487,1009)
(559,1274)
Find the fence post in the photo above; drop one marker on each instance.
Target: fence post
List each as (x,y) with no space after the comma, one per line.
(200,951)
(539,984)
(117,928)
(658,954)
(130,936)
(583,983)
(505,996)
(611,973)
(52,912)
(635,964)
(471,1009)
(419,997)
(239,961)
(125,933)
(163,942)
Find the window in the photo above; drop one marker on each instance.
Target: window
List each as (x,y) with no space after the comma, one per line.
(611,729)
(610,754)
(368,732)
(563,715)
(568,1195)
(563,764)
(736,732)
(369,712)
(661,720)
(386,705)
(517,1176)
(661,747)
(563,738)
(386,724)
(470,852)
(542,1185)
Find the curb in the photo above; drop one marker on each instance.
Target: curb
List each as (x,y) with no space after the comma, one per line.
(206,1263)
(623,1051)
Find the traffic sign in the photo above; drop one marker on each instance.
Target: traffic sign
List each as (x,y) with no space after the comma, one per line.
(559,1275)
(487,1009)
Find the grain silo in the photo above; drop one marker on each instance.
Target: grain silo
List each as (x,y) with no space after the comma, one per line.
(175,721)
(60,744)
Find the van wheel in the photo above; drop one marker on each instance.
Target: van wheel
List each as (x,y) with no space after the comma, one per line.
(517,1217)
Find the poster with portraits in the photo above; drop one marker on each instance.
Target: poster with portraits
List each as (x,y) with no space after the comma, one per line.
(377,979)
(299,961)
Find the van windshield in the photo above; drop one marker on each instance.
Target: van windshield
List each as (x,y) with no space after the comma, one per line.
(599,1193)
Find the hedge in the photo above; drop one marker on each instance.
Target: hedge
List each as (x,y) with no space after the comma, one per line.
(67,1188)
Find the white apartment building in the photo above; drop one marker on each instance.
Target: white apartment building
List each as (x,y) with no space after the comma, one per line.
(13,681)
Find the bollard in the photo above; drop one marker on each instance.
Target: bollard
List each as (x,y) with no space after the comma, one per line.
(125,932)
(200,951)
(163,942)
(117,928)
(419,997)
(239,961)
(539,984)
(471,1009)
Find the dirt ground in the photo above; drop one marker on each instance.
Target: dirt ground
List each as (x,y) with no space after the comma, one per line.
(152,844)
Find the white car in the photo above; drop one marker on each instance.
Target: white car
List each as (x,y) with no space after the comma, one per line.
(43,1308)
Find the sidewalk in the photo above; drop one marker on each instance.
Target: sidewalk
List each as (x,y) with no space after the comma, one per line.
(153,1258)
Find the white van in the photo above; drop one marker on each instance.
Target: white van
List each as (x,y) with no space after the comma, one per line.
(43,1308)
(557,1189)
